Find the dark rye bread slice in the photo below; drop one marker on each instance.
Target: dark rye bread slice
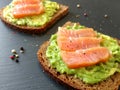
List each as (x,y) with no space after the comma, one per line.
(37,30)
(111,83)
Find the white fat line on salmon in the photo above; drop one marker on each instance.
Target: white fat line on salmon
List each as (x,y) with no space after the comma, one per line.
(80,51)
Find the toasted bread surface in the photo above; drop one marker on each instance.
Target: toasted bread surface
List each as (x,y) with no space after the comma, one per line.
(37,30)
(111,83)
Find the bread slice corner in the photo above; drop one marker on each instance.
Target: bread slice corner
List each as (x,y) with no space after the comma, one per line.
(37,30)
(72,83)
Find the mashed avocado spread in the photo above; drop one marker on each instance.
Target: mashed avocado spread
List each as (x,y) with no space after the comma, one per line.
(91,74)
(34,21)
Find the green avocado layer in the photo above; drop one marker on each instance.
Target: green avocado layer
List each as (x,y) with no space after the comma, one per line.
(91,74)
(34,21)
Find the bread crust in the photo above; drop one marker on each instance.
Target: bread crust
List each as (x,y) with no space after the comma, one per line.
(37,30)
(111,83)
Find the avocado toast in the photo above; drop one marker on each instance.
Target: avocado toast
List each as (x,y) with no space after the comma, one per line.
(37,21)
(101,76)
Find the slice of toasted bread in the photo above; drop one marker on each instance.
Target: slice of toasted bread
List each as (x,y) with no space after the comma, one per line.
(111,83)
(37,30)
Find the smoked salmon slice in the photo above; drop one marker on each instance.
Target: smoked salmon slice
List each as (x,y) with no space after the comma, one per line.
(86,32)
(81,48)
(23,8)
(70,44)
(88,57)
